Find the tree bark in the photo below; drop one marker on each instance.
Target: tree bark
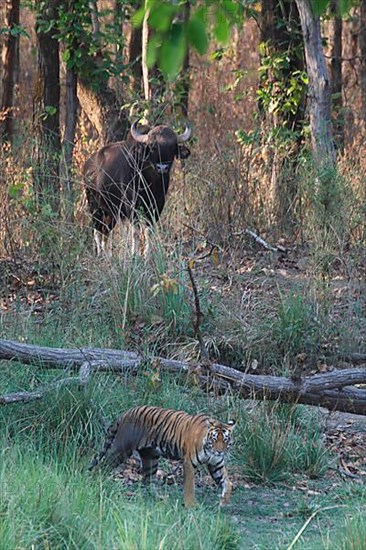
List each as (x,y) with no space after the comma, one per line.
(46,110)
(319,86)
(334,390)
(97,99)
(362,71)
(10,62)
(336,76)
(134,59)
(71,116)
(144,45)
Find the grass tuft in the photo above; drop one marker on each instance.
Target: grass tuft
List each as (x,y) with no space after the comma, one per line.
(273,441)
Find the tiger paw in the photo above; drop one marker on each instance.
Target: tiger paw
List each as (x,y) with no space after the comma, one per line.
(190,503)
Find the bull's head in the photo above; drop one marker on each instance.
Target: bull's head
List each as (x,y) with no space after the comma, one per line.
(163,145)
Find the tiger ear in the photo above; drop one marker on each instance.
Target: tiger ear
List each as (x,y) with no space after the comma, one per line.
(231,423)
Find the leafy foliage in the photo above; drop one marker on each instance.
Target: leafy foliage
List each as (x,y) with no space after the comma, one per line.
(172,35)
(320,6)
(80,46)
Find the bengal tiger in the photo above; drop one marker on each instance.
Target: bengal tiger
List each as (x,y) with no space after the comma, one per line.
(155,432)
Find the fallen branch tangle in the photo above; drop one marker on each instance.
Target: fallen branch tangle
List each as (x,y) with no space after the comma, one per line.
(334,390)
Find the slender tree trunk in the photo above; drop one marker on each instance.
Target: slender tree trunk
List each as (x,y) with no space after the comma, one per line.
(153,82)
(184,85)
(46,110)
(93,6)
(71,116)
(9,60)
(319,86)
(144,45)
(336,76)
(134,59)
(362,72)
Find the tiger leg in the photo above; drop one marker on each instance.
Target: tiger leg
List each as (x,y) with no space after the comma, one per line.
(149,460)
(220,476)
(149,468)
(189,471)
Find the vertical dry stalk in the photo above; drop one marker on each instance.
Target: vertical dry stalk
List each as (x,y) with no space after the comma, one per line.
(198,316)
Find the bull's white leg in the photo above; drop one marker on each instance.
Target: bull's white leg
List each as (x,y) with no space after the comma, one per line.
(98,241)
(128,234)
(107,243)
(134,239)
(104,244)
(146,241)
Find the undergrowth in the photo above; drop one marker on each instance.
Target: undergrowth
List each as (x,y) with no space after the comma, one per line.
(274,441)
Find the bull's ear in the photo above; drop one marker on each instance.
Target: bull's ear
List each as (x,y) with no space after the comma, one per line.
(183,152)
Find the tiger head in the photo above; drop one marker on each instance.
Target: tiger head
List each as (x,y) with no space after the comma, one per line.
(219,438)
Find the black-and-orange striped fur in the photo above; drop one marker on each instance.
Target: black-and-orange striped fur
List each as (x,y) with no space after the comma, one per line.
(156,432)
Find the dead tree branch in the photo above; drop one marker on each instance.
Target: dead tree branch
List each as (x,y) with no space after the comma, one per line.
(198,315)
(335,390)
(26,396)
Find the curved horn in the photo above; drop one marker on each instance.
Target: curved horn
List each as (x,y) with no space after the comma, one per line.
(186,134)
(141,138)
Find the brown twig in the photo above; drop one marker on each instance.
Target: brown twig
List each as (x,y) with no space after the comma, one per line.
(198,316)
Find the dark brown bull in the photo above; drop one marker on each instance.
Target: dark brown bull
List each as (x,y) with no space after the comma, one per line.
(129,180)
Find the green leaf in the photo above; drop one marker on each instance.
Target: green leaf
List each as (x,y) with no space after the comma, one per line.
(319,6)
(161,16)
(138,17)
(196,34)
(152,50)
(172,51)
(232,10)
(66,56)
(202,14)
(222,29)
(345,6)
(15,190)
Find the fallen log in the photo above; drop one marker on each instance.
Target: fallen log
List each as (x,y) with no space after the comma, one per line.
(334,390)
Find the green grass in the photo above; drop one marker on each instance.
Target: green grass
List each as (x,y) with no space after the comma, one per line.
(52,503)
(274,441)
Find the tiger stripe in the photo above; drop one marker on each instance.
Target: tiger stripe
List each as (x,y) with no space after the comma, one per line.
(155,431)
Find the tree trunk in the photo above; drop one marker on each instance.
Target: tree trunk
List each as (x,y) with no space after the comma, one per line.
(134,59)
(334,390)
(282,52)
(319,86)
(71,116)
(144,45)
(336,76)
(97,99)
(46,110)
(362,71)
(182,88)
(103,110)
(10,62)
